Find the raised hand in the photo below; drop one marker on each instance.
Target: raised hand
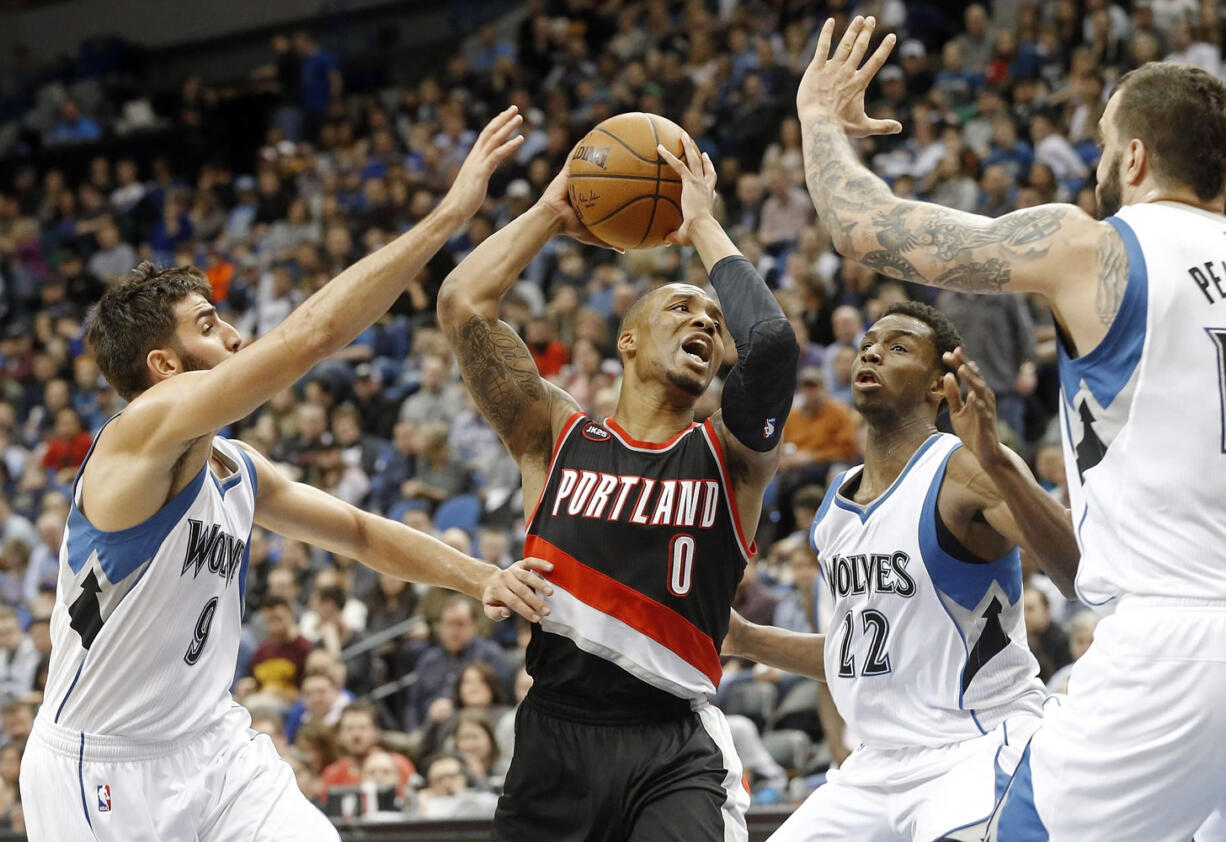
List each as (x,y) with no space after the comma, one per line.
(519,589)
(557,198)
(974,419)
(493,146)
(833,86)
(697,186)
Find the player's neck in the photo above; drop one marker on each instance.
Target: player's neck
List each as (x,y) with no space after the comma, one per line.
(888,447)
(1153,192)
(651,413)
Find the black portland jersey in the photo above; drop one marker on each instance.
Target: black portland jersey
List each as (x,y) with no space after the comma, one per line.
(647,553)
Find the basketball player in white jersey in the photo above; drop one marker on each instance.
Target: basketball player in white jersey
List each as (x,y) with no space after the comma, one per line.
(926,655)
(1136,751)
(138,737)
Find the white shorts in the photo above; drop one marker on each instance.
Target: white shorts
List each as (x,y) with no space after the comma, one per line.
(914,794)
(222,785)
(1137,751)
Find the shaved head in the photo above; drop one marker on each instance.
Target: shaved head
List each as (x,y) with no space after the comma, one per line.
(636,310)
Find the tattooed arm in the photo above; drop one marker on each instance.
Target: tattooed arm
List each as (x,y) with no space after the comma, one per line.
(497,367)
(1078,263)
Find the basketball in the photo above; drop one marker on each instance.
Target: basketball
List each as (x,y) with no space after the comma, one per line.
(621,189)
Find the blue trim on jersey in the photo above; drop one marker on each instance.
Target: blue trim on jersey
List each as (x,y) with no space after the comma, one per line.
(71,687)
(975,718)
(225,485)
(122,551)
(1019,818)
(864,512)
(255,492)
(1109,366)
(831,493)
(81,781)
(964,583)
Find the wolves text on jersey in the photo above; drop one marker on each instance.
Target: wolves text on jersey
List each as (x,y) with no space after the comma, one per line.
(636,499)
(211,546)
(880,573)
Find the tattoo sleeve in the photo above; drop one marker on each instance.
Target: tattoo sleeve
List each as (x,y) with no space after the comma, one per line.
(918,241)
(1112,276)
(503,380)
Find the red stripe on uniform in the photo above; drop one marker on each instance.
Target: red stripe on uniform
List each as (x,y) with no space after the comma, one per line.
(751,549)
(622,602)
(574,419)
(626,438)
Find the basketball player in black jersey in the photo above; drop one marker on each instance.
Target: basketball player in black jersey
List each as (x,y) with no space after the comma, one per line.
(644,516)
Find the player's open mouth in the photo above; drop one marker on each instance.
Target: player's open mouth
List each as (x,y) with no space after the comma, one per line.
(867,379)
(698,348)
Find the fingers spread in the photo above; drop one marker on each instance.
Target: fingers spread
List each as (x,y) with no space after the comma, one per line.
(823,43)
(692,156)
(877,59)
(848,40)
(860,46)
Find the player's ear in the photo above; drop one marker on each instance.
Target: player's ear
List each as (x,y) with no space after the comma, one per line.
(627,342)
(162,363)
(1136,162)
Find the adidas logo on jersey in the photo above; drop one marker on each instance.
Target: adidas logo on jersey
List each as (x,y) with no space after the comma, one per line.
(209,545)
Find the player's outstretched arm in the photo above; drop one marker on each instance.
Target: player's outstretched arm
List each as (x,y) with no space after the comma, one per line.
(794,652)
(1012,502)
(1047,249)
(758,391)
(305,513)
(180,409)
(524,409)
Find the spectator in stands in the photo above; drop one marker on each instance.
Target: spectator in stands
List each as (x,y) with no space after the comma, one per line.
(848,326)
(376,411)
(478,690)
(448,795)
(359,735)
(16,720)
(439,667)
(71,126)
(322,701)
(18,657)
(819,434)
(279,661)
(1048,642)
(438,399)
(474,741)
(441,474)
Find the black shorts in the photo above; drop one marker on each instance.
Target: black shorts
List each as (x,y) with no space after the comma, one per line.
(573,779)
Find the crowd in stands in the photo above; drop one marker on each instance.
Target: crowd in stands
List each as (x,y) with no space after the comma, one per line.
(362,678)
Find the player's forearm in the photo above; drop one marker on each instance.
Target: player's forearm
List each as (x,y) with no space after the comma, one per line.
(711,242)
(1047,529)
(918,241)
(352,301)
(794,652)
(478,284)
(405,553)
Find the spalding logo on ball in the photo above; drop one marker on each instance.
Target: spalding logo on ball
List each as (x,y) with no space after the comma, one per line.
(620,188)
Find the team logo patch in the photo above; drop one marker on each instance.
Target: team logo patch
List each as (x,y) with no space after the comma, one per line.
(768,429)
(595,432)
(104,798)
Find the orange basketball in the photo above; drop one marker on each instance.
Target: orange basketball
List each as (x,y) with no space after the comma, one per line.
(622,190)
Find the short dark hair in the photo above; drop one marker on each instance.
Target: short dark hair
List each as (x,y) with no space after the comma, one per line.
(274,602)
(1179,113)
(945,337)
(333,594)
(361,707)
(134,317)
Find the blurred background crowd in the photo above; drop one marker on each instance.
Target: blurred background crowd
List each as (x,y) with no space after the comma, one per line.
(275,179)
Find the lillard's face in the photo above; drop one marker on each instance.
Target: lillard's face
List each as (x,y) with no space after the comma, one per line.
(679,337)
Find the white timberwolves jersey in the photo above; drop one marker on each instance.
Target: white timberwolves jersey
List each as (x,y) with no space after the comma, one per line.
(146,624)
(923,649)
(1144,417)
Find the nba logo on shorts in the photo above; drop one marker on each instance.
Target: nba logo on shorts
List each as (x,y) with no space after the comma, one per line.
(104,798)
(768,429)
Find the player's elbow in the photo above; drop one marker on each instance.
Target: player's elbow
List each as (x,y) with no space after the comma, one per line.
(454,302)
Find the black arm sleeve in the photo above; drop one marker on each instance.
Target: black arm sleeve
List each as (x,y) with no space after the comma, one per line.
(758,391)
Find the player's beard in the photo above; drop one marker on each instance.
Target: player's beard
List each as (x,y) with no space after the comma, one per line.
(190,361)
(689,384)
(1110,190)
